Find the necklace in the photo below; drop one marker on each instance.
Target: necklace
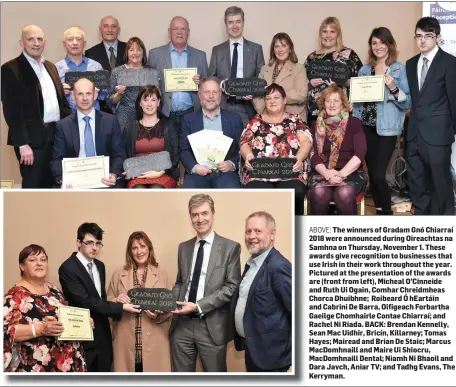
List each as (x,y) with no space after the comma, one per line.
(147,127)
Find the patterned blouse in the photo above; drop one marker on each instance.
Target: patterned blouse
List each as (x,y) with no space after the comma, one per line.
(275,141)
(44,353)
(347,56)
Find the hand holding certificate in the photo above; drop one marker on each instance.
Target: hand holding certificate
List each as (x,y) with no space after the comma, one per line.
(76,323)
(85,172)
(180,79)
(367,89)
(209,147)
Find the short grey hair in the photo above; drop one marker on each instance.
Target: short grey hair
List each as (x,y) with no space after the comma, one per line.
(231,11)
(208,79)
(270,221)
(198,200)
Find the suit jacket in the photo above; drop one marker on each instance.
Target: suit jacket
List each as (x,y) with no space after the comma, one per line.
(155,339)
(294,80)
(231,126)
(267,318)
(80,291)
(222,278)
(434,106)
(171,144)
(160,59)
(220,65)
(98,53)
(23,106)
(108,142)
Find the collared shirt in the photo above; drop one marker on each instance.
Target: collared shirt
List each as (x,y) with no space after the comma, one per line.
(82,125)
(240,50)
(430,56)
(244,288)
(95,272)
(212,123)
(51,109)
(114,46)
(181,100)
(202,280)
(65,65)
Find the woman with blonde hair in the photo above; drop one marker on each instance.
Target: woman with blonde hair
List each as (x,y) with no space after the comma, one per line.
(332,49)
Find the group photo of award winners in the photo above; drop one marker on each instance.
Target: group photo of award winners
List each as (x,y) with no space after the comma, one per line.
(195,287)
(330,126)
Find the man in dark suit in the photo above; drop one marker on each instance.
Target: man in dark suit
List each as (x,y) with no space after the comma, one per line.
(213,118)
(178,54)
(236,58)
(432,125)
(88,133)
(110,51)
(261,305)
(83,281)
(33,100)
(209,270)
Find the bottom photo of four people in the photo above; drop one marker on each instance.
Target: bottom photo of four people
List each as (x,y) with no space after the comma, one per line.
(150,282)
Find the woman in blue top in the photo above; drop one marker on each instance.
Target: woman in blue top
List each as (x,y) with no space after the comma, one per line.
(383,121)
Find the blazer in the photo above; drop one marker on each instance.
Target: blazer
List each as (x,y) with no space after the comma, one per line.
(160,59)
(80,291)
(23,106)
(155,341)
(293,79)
(222,278)
(108,142)
(98,53)
(220,65)
(231,126)
(434,106)
(171,144)
(267,317)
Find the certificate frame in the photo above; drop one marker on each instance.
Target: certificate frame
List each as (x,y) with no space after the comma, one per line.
(7,184)
(173,84)
(77,165)
(83,334)
(367,89)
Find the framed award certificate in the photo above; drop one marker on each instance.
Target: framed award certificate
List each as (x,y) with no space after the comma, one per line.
(76,324)
(85,172)
(367,89)
(180,79)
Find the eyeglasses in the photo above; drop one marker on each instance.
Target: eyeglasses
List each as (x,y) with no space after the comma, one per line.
(425,37)
(99,245)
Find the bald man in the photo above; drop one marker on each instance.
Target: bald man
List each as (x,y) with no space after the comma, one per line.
(89,133)
(111,51)
(74,44)
(33,101)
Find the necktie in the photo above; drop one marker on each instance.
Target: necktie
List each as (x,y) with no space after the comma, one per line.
(89,266)
(424,71)
(246,269)
(88,139)
(234,63)
(196,273)
(112,58)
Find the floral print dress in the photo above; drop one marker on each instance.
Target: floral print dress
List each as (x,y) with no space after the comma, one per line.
(347,56)
(274,141)
(44,353)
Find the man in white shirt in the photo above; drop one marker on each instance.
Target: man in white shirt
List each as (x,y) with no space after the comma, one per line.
(236,58)
(33,101)
(208,273)
(432,126)
(83,280)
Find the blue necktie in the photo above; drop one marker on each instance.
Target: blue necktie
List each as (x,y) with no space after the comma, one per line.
(88,139)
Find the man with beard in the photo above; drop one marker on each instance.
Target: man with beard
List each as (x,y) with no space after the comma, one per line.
(211,117)
(261,305)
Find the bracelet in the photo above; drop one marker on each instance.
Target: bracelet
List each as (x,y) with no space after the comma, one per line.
(33,331)
(396,90)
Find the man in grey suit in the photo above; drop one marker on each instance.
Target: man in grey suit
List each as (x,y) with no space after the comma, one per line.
(209,272)
(236,58)
(178,54)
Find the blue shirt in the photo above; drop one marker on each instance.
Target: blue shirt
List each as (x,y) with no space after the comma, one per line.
(213,123)
(66,65)
(181,100)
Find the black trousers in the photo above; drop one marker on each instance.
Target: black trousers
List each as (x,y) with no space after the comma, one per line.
(300,190)
(177,119)
(429,177)
(98,360)
(252,367)
(378,155)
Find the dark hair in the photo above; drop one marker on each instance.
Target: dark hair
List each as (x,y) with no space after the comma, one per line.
(90,228)
(138,236)
(30,250)
(428,24)
(146,91)
(275,87)
(282,36)
(140,43)
(386,37)
(232,11)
